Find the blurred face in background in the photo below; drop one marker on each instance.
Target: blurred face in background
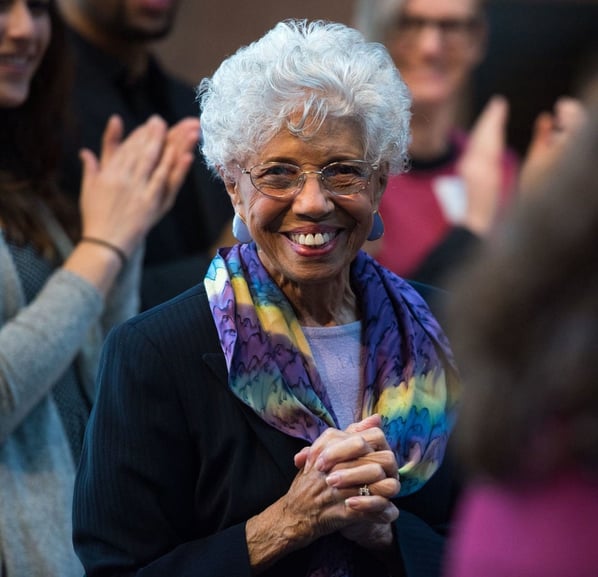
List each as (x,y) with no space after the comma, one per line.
(435,45)
(131,19)
(25,31)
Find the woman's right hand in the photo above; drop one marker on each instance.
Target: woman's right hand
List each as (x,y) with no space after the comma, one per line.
(126,191)
(135,181)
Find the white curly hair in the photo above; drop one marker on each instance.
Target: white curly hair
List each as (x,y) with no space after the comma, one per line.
(306,71)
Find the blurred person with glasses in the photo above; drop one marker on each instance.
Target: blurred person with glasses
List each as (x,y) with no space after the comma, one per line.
(289,415)
(458,182)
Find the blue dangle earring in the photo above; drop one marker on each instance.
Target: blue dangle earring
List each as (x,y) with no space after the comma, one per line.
(377,227)
(240,230)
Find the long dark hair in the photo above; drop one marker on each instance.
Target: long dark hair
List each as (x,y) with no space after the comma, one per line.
(30,147)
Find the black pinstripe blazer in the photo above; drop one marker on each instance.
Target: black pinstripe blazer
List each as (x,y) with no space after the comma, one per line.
(174,464)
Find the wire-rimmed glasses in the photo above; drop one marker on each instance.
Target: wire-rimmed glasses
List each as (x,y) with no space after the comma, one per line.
(456,32)
(284,180)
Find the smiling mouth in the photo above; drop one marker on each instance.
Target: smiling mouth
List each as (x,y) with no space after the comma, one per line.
(318,239)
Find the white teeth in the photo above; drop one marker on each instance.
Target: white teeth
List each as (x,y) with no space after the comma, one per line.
(317,239)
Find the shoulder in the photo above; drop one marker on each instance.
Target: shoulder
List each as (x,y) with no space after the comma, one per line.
(184,321)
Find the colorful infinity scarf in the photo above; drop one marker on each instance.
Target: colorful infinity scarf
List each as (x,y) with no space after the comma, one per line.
(409,373)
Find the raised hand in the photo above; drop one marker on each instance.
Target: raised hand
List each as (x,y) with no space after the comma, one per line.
(126,191)
(135,181)
(552,133)
(480,167)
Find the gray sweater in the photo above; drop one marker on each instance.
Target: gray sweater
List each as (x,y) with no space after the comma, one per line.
(65,323)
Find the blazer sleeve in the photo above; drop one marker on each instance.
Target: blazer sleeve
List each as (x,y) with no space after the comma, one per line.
(134,492)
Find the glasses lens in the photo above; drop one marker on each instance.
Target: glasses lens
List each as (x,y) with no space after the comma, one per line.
(276,178)
(454,30)
(347,177)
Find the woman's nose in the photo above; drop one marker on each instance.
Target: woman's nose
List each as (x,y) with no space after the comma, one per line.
(312,198)
(20,22)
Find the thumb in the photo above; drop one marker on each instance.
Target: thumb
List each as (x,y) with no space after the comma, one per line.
(112,137)
(489,131)
(89,163)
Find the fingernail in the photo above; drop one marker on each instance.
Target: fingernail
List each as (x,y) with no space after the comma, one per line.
(333,480)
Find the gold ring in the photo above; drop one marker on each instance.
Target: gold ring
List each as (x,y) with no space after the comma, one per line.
(364,491)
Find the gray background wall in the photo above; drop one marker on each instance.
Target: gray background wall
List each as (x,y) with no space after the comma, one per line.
(208,30)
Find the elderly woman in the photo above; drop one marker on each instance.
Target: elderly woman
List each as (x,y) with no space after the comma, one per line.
(260,422)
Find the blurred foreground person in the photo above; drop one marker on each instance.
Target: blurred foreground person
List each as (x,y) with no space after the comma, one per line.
(525,328)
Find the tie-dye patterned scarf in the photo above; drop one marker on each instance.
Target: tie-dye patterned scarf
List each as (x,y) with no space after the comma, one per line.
(409,375)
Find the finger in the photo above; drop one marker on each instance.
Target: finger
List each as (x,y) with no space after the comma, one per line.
(542,131)
(301,457)
(158,181)
(341,450)
(569,114)
(334,446)
(370,421)
(89,161)
(111,138)
(319,445)
(373,509)
(362,474)
(182,145)
(345,453)
(184,126)
(385,460)
(488,135)
(178,173)
(146,147)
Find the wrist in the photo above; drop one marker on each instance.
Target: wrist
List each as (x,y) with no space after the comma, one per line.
(119,252)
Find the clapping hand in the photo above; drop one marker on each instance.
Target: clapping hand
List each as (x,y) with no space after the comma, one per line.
(135,181)
(552,133)
(481,166)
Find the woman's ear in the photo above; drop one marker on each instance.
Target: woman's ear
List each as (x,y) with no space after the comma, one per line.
(381,180)
(231,186)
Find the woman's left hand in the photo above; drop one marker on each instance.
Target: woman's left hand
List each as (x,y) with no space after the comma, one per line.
(357,457)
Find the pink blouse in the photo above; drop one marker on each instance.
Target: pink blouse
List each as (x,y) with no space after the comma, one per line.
(540,530)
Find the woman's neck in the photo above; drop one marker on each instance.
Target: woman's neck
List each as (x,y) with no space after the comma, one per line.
(322,305)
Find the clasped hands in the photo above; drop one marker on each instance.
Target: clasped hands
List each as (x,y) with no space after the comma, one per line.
(333,469)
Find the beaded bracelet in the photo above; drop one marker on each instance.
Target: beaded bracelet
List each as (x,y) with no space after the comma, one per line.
(117,250)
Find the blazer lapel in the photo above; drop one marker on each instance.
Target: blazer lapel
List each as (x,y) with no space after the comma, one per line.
(276,442)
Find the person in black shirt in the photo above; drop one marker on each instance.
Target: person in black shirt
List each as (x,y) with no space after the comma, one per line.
(116,73)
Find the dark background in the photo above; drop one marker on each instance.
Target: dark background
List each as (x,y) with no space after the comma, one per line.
(538,49)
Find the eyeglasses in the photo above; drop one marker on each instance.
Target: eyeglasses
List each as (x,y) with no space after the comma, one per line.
(454,31)
(284,180)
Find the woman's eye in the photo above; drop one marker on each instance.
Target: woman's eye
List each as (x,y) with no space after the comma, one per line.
(279,170)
